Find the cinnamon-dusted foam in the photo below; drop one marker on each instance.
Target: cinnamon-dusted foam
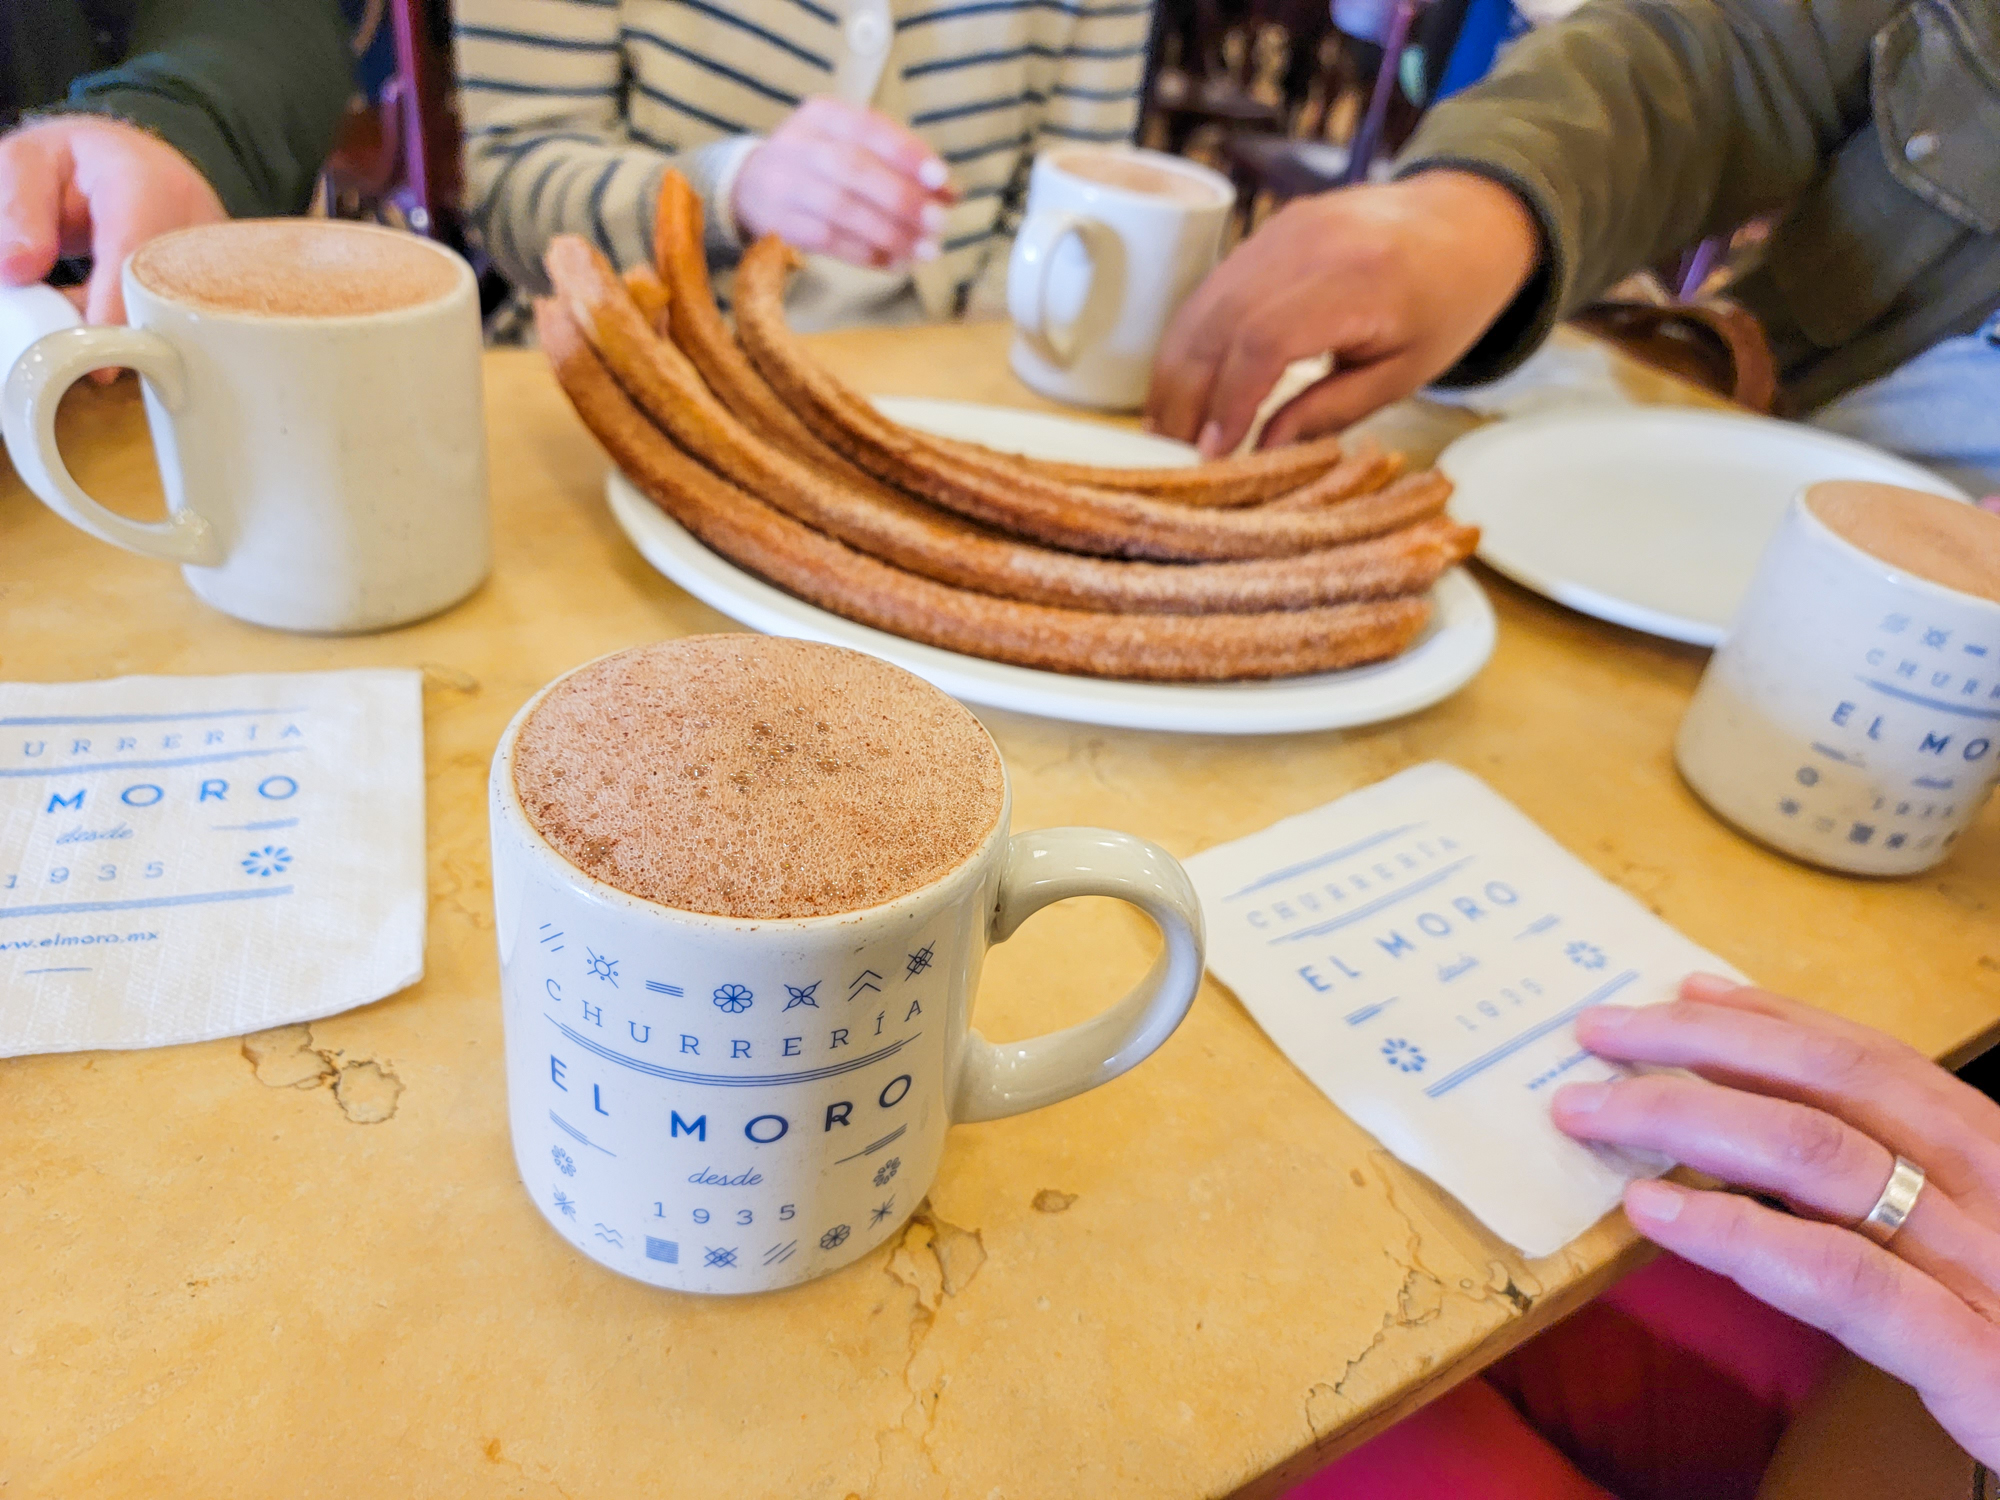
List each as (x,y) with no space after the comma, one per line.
(750,776)
(295,268)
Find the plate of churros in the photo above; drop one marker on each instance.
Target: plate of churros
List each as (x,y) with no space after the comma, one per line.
(1027,562)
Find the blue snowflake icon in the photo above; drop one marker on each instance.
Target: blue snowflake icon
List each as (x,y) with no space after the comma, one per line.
(269,860)
(802,995)
(1585,955)
(1404,1055)
(834,1238)
(887,1170)
(564,1163)
(565,1203)
(919,961)
(604,968)
(733,998)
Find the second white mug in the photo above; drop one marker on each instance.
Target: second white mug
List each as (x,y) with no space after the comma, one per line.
(324,461)
(1114,240)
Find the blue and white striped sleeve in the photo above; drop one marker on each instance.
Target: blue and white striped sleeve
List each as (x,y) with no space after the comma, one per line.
(548,150)
(1095,93)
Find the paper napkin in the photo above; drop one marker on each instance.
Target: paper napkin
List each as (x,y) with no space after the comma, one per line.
(192,857)
(1421,950)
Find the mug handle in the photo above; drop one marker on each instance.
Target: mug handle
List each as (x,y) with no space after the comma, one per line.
(1053,864)
(1028,283)
(35,386)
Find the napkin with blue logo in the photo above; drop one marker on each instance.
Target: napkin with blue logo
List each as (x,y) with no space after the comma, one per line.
(184,858)
(1421,950)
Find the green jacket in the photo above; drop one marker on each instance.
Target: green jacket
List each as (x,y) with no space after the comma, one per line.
(250,91)
(1637,128)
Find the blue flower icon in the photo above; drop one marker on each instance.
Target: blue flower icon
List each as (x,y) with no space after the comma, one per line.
(1404,1055)
(269,860)
(733,998)
(1585,955)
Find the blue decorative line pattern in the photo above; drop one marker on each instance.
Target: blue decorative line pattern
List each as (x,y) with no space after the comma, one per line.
(727,1080)
(1291,872)
(1379,904)
(64,909)
(570,1130)
(1891,691)
(206,713)
(1533,1034)
(152,765)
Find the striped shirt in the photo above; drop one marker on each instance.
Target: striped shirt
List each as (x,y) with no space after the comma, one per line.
(574,109)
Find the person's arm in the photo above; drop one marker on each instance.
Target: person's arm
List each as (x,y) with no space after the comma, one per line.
(250,91)
(1620,135)
(548,150)
(1637,128)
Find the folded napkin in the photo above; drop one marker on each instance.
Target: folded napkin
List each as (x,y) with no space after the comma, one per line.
(191,857)
(1421,950)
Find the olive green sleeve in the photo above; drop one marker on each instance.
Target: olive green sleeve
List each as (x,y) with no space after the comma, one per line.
(250,91)
(1637,128)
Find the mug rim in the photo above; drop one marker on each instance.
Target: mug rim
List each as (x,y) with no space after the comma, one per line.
(1900,576)
(464,284)
(505,793)
(1177,165)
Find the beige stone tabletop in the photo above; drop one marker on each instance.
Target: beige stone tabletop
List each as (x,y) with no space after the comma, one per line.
(301,1264)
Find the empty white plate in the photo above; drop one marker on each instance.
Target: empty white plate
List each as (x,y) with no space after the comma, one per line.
(1450,653)
(1653,518)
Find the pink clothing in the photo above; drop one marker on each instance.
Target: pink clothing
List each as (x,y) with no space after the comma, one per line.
(1675,1385)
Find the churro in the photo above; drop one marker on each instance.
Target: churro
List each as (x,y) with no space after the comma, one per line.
(1072,517)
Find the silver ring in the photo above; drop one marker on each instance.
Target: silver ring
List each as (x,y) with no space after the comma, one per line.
(1899,1196)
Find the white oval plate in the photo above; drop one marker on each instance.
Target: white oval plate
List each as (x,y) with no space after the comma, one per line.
(1449,655)
(1653,518)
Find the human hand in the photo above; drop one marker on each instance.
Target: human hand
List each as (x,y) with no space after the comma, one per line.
(73,184)
(1813,1110)
(1396,280)
(846,182)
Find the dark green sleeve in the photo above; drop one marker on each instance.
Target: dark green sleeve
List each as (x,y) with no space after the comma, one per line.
(1637,128)
(250,91)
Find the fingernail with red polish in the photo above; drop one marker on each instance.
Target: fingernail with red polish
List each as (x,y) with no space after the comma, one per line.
(1655,1202)
(1582,1098)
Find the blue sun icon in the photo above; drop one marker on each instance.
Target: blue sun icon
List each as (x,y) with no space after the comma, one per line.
(269,860)
(1404,1055)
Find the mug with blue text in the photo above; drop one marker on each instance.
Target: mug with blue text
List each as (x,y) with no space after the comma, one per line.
(1851,717)
(720,1104)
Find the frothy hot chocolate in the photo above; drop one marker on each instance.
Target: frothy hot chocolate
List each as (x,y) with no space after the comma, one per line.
(1135,174)
(1945,541)
(296,268)
(750,776)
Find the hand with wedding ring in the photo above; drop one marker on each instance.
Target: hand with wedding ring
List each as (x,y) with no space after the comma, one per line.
(1845,1126)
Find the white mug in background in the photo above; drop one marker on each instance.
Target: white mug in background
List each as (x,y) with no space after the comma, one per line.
(322,472)
(1851,715)
(719,1104)
(1114,240)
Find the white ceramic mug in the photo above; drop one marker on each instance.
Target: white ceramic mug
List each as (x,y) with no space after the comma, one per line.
(321,473)
(1098,272)
(1850,717)
(713,1104)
